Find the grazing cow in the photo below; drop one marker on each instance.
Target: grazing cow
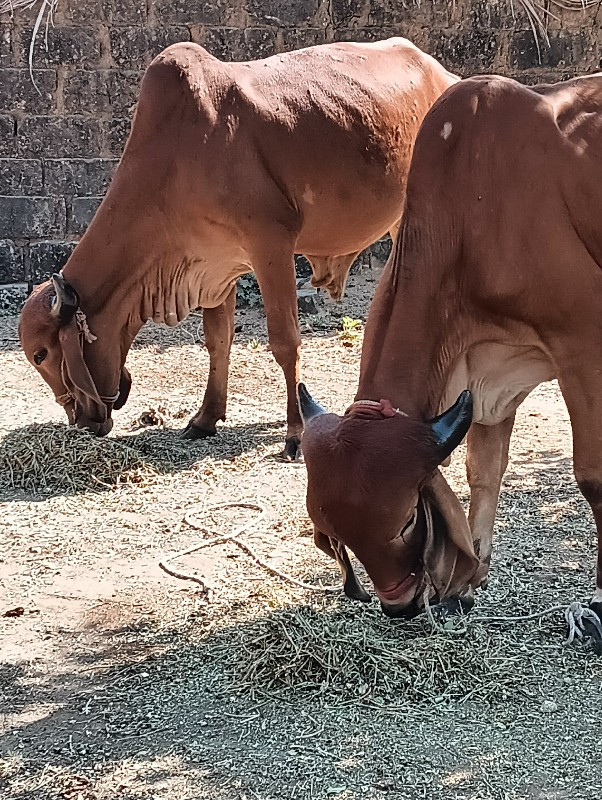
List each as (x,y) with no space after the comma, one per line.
(231,168)
(495,285)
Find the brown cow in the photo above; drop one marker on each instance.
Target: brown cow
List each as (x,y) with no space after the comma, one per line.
(231,168)
(495,286)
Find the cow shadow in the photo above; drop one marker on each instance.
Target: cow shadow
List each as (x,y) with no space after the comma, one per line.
(163,451)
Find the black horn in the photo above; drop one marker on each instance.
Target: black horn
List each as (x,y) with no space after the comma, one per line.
(452,426)
(307,405)
(66,301)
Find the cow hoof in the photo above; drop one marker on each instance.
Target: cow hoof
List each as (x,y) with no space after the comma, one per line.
(453,607)
(292,450)
(591,630)
(193,432)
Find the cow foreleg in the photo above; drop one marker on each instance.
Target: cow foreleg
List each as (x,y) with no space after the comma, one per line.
(276,278)
(218,325)
(486,462)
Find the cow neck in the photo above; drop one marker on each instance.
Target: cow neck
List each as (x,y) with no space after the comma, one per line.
(109,268)
(410,339)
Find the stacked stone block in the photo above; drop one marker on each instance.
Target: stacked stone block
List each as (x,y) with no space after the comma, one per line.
(63,127)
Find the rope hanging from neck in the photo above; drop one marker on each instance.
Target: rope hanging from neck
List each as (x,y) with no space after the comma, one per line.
(85,334)
(82,326)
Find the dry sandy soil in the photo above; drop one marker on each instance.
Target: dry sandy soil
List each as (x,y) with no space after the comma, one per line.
(121,682)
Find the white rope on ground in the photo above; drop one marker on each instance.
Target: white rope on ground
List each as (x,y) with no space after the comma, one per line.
(576,615)
(234,537)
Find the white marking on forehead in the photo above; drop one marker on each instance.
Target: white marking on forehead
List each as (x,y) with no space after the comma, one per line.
(447,129)
(597,598)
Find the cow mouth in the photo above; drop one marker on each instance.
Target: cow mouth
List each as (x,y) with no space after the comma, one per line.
(95,428)
(402,593)
(407,598)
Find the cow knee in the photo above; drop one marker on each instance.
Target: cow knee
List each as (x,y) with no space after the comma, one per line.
(286,353)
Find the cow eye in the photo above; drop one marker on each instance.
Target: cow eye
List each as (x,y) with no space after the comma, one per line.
(40,356)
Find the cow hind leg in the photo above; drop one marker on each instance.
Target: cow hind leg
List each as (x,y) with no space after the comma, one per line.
(584,403)
(589,480)
(582,392)
(486,462)
(218,324)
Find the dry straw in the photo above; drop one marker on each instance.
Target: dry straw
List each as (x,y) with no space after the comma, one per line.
(61,458)
(348,655)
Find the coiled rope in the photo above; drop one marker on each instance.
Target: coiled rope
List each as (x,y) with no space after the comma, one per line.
(193,521)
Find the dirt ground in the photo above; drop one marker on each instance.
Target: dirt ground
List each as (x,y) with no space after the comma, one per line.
(119,682)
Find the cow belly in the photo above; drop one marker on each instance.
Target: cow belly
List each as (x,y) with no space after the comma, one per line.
(499,376)
(170,295)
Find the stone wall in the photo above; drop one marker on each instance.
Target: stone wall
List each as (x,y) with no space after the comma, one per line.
(60,138)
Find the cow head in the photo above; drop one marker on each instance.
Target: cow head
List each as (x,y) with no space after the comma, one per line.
(53,332)
(373,485)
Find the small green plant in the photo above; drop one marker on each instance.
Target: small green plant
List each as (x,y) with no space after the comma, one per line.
(350,331)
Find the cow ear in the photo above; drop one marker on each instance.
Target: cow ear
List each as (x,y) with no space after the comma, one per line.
(66,300)
(452,426)
(307,405)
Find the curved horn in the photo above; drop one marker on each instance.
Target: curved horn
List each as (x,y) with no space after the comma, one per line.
(66,301)
(452,426)
(307,405)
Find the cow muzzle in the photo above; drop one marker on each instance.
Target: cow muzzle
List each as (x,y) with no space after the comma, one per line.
(96,428)
(402,612)
(404,601)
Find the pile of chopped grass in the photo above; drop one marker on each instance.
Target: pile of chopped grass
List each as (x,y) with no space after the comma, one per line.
(347,654)
(57,457)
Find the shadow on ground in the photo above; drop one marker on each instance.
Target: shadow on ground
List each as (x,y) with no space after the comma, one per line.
(193,711)
(322,699)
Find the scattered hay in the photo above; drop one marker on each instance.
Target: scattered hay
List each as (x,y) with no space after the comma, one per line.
(351,656)
(58,457)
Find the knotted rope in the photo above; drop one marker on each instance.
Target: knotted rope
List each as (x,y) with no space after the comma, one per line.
(82,326)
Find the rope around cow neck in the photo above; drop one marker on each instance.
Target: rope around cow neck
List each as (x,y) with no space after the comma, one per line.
(575,614)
